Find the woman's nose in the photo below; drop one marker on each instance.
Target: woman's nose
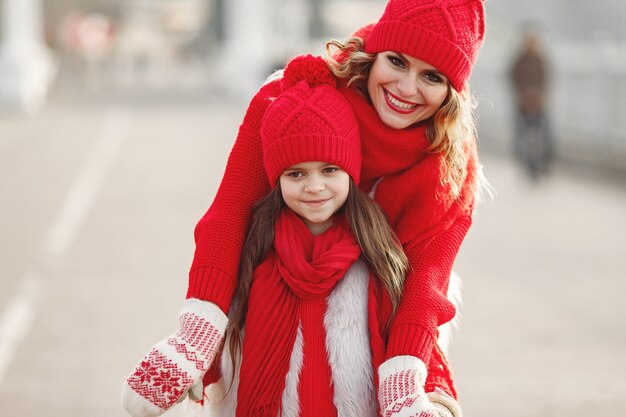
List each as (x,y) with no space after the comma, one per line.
(408,85)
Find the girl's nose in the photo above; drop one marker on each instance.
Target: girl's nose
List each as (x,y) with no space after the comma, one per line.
(314,185)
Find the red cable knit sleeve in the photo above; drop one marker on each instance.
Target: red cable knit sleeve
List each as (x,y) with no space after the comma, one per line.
(439,375)
(220,233)
(424,305)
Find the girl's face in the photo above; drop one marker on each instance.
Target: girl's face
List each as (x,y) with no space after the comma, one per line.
(315,191)
(405,90)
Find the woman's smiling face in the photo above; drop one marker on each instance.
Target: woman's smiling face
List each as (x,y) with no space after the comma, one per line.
(405,90)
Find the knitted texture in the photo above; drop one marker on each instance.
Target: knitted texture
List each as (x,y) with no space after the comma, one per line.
(429,224)
(346,351)
(315,385)
(289,286)
(439,375)
(310,123)
(445,33)
(220,233)
(309,68)
(446,406)
(176,363)
(386,153)
(413,329)
(400,391)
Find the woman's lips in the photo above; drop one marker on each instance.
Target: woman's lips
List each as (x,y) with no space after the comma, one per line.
(398,105)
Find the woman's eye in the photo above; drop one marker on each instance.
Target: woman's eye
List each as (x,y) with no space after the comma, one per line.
(330,170)
(395,61)
(433,77)
(295,174)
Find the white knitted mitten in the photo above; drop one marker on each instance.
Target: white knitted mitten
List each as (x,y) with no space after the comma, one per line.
(446,405)
(401,388)
(176,363)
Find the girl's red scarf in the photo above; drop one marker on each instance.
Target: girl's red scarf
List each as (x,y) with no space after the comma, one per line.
(302,266)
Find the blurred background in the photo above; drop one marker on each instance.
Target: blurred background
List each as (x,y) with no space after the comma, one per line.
(116,119)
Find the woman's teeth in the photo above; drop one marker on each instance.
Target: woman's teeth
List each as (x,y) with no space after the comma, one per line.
(398,103)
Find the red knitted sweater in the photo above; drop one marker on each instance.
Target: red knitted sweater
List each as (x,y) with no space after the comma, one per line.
(430,227)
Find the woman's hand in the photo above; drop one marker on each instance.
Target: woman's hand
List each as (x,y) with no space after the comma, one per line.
(401,388)
(176,363)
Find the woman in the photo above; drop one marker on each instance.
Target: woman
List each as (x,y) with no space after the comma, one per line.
(406,81)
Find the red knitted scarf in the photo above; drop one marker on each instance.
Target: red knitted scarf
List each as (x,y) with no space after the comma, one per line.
(302,266)
(411,193)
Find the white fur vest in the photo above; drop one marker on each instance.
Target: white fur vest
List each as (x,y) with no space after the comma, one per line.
(348,348)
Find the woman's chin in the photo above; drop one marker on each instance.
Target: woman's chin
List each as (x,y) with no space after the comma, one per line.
(396,121)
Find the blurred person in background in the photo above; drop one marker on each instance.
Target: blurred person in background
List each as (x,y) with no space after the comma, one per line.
(406,80)
(529,74)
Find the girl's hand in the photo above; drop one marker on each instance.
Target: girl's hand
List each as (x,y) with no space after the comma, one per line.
(176,363)
(401,388)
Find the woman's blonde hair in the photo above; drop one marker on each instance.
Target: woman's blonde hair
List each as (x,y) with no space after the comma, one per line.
(451,130)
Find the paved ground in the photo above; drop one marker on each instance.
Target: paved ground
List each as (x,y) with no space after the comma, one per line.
(99,200)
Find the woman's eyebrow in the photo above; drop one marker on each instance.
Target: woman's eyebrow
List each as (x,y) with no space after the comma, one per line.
(402,57)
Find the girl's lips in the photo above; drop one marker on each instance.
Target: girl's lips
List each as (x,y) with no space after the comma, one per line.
(398,105)
(315,203)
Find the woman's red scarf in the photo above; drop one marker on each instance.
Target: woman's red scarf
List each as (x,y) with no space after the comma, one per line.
(412,195)
(301,266)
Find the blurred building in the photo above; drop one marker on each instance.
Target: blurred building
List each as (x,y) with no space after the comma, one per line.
(27,67)
(234,44)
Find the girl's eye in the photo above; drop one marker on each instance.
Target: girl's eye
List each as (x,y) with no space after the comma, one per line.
(395,61)
(330,170)
(295,174)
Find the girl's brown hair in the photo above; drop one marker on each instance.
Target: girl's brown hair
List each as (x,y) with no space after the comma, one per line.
(380,248)
(451,130)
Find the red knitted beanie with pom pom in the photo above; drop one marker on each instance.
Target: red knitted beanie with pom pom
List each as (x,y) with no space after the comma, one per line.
(310,121)
(445,33)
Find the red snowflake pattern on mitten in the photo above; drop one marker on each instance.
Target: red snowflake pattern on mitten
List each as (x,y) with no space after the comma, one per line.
(159,380)
(176,363)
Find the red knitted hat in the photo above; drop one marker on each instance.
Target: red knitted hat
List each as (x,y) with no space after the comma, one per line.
(445,33)
(309,121)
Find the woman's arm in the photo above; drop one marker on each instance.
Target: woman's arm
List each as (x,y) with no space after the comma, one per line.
(406,384)
(425,305)
(220,233)
(439,374)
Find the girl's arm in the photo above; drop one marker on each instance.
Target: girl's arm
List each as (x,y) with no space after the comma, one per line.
(220,233)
